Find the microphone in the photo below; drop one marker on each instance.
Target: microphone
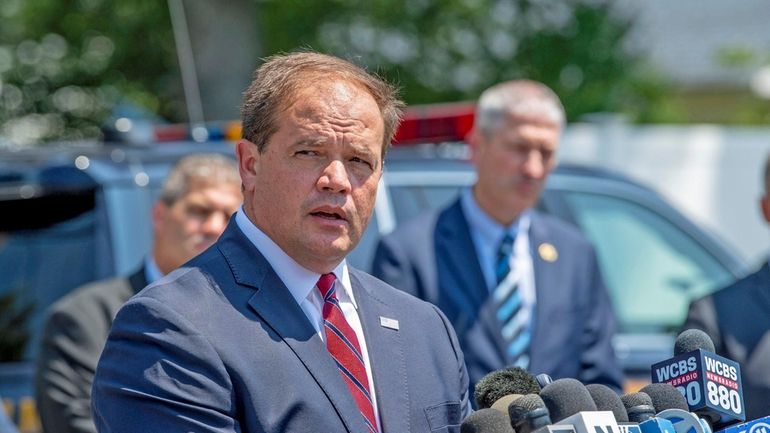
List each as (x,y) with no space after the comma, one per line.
(566,397)
(665,396)
(640,410)
(672,405)
(528,413)
(499,383)
(638,407)
(711,384)
(569,403)
(543,380)
(486,421)
(607,399)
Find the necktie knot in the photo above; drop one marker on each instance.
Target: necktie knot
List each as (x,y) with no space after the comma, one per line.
(325,285)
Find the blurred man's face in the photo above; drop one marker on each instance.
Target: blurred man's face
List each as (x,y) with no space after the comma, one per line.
(192,223)
(313,188)
(512,164)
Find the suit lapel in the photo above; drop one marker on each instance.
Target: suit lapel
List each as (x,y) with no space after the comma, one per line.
(463,283)
(461,271)
(386,356)
(274,304)
(544,284)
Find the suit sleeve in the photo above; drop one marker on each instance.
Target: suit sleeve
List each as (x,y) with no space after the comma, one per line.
(158,374)
(71,344)
(391,264)
(599,364)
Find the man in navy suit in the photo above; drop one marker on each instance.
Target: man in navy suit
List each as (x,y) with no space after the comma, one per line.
(270,330)
(737,318)
(521,288)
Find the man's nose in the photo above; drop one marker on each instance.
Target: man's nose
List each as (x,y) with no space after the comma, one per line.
(214,224)
(334,177)
(534,165)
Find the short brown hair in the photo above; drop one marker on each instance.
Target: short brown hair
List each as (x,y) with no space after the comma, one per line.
(276,82)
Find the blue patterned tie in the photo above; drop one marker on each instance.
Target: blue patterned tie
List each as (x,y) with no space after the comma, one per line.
(514,326)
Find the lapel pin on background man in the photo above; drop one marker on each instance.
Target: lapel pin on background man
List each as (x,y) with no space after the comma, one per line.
(270,330)
(520,287)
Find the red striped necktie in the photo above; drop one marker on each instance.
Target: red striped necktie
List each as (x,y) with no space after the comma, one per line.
(342,343)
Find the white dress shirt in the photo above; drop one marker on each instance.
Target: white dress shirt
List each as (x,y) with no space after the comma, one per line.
(301,283)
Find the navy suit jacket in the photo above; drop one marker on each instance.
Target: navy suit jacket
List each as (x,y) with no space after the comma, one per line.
(433,257)
(737,318)
(220,345)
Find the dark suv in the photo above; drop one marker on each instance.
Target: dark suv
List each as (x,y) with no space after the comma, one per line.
(75,214)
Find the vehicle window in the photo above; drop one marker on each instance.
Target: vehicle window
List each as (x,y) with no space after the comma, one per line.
(410,201)
(651,267)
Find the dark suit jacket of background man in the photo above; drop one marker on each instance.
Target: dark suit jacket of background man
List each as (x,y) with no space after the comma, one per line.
(73,337)
(222,342)
(433,257)
(737,318)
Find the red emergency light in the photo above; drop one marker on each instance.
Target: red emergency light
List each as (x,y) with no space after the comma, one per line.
(435,123)
(421,124)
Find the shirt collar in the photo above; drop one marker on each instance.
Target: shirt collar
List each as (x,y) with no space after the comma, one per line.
(298,279)
(489,231)
(151,270)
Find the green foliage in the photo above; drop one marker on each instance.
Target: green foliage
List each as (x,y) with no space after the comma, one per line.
(13,327)
(445,50)
(64,65)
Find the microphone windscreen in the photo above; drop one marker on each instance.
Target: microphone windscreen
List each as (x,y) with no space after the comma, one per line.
(665,396)
(566,397)
(499,383)
(638,406)
(693,339)
(607,399)
(486,421)
(636,399)
(501,405)
(519,408)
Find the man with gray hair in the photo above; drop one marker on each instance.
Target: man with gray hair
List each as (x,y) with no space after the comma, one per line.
(196,202)
(521,288)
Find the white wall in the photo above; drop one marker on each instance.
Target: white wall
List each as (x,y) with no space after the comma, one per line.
(713,174)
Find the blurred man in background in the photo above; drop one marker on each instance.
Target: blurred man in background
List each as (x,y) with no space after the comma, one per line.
(194,207)
(521,288)
(737,318)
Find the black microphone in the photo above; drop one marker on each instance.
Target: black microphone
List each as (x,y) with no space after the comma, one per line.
(711,384)
(672,405)
(665,396)
(638,406)
(500,383)
(486,421)
(566,397)
(607,399)
(640,410)
(543,380)
(528,413)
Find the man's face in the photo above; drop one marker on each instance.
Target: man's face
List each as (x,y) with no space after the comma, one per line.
(512,163)
(193,222)
(313,188)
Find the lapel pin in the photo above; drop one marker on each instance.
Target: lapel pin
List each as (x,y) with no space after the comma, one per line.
(548,252)
(387,322)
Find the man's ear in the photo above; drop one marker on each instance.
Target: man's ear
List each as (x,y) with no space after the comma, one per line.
(159,210)
(248,156)
(765,203)
(474,140)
